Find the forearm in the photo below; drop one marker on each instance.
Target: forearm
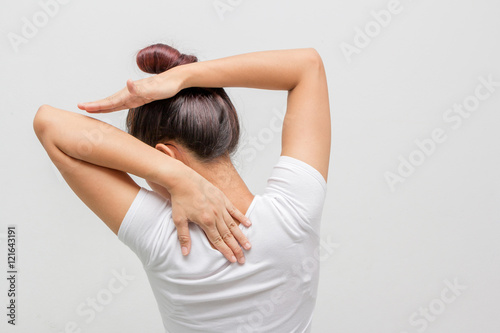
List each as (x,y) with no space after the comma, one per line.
(90,140)
(274,70)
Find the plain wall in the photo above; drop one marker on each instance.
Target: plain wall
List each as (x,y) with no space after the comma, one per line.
(410,230)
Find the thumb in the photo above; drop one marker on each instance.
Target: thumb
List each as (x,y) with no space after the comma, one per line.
(234,212)
(132,88)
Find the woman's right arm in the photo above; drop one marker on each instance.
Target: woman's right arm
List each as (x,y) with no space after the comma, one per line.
(306,127)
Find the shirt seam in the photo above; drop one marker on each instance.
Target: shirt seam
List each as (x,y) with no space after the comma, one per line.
(284,159)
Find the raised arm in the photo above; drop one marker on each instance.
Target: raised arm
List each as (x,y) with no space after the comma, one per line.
(94,159)
(306,128)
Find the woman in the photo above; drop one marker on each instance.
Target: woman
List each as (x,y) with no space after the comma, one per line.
(187,129)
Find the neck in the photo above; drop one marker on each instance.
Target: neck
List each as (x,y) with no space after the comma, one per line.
(224,176)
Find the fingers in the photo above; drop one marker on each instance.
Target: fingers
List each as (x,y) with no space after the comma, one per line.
(216,238)
(98,109)
(183,235)
(222,239)
(101,106)
(237,214)
(236,232)
(230,241)
(229,236)
(96,106)
(112,103)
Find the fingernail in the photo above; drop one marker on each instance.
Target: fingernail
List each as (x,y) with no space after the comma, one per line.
(233,259)
(184,251)
(248,246)
(249,222)
(242,260)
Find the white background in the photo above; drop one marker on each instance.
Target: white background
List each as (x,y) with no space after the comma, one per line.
(391,252)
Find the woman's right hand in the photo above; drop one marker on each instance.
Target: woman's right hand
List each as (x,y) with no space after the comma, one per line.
(137,93)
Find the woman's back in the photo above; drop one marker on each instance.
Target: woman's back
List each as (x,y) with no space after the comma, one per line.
(185,129)
(274,291)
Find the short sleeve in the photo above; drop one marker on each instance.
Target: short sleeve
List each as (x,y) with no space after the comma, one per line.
(144,222)
(301,188)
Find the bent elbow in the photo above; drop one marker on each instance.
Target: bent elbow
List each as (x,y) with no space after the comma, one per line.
(41,121)
(314,59)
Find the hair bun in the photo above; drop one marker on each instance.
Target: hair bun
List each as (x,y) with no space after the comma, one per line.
(158,58)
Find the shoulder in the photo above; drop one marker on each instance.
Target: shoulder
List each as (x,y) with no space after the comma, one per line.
(297,191)
(146,221)
(295,176)
(146,205)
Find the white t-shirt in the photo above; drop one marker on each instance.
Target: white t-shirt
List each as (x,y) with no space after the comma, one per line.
(274,291)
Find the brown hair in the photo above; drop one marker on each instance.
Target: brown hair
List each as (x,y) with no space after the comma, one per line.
(202,120)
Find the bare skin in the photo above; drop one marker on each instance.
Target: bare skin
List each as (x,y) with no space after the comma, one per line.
(220,172)
(99,175)
(95,158)
(307,124)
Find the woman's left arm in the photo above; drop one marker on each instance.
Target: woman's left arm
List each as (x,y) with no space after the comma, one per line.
(94,159)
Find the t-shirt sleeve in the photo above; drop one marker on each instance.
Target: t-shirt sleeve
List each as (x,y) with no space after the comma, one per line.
(301,188)
(144,222)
